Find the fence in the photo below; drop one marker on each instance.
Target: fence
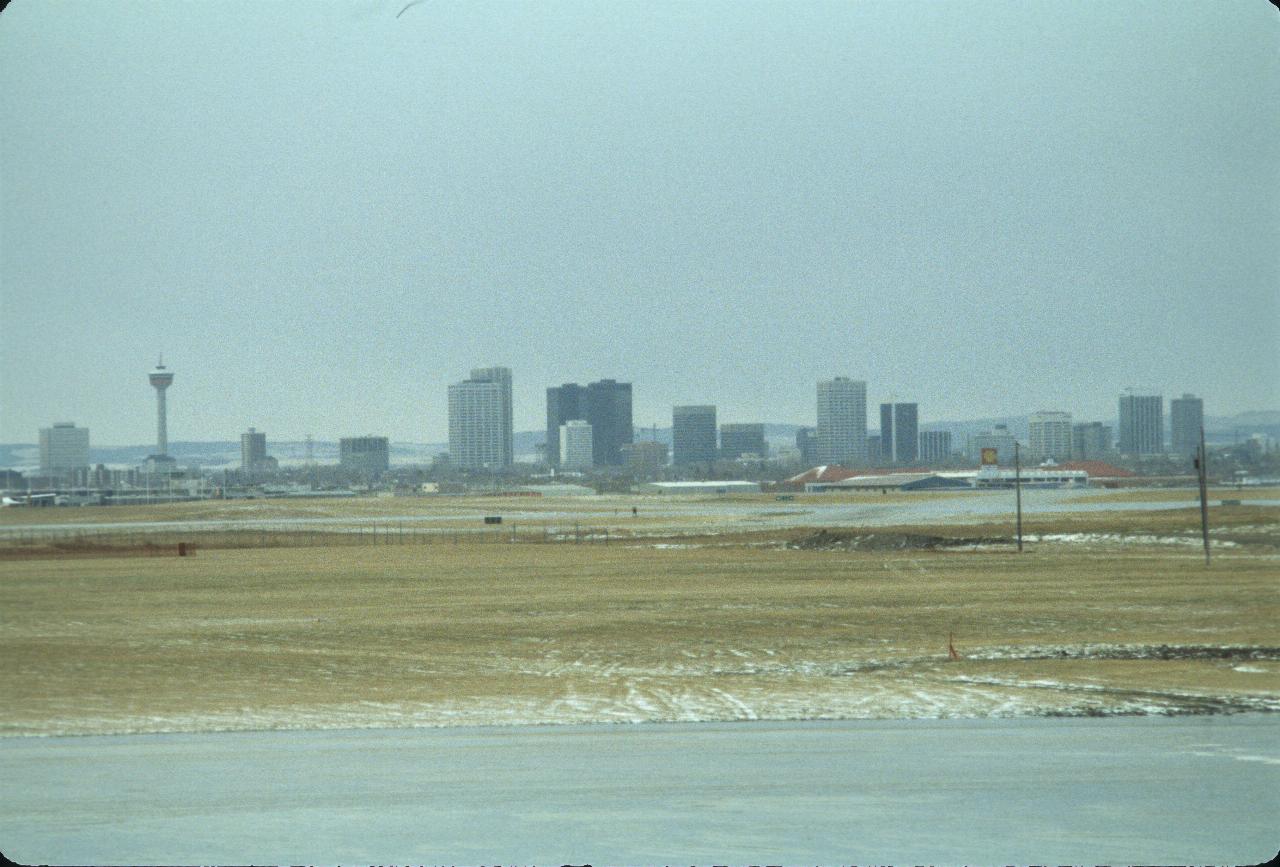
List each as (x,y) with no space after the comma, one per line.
(18,542)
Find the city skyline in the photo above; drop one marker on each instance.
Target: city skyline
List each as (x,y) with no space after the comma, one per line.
(977,207)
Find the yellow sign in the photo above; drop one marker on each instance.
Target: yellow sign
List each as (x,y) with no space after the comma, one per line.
(989,457)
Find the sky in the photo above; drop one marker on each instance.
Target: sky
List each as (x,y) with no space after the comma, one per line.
(323,213)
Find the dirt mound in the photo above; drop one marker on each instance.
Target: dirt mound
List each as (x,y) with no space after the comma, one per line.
(832,540)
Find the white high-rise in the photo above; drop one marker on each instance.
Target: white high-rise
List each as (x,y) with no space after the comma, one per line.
(576,445)
(64,448)
(1049,435)
(842,421)
(480,420)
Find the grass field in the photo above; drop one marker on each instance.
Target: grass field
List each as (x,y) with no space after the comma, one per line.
(717,627)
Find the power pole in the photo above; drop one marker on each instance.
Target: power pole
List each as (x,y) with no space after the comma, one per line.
(1017,488)
(1202,473)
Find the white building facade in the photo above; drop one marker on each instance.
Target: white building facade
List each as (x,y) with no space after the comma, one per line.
(64,448)
(479,426)
(842,421)
(1049,434)
(576,445)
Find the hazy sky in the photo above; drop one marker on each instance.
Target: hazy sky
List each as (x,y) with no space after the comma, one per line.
(323,214)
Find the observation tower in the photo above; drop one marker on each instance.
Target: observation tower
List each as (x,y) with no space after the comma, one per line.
(161,379)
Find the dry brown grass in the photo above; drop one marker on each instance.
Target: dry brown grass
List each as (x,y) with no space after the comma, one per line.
(494,633)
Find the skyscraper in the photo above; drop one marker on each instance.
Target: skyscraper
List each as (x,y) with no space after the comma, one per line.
(609,413)
(1049,435)
(1090,440)
(899,433)
(1141,423)
(253,449)
(64,449)
(1186,418)
(693,435)
(737,440)
(161,378)
(906,432)
(807,445)
(564,403)
(368,455)
(885,452)
(935,445)
(502,377)
(842,421)
(605,405)
(480,423)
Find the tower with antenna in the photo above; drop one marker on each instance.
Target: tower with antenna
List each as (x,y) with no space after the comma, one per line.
(161,379)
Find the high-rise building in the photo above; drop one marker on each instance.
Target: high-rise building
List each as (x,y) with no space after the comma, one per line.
(737,440)
(899,433)
(576,445)
(253,450)
(479,423)
(1141,423)
(502,377)
(883,454)
(1049,436)
(807,445)
(906,432)
(1186,418)
(842,421)
(645,457)
(564,403)
(609,412)
(64,449)
(605,405)
(369,455)
(875,450)
(161,378)
(1090,441)
(997,438)
(935,445)
(693,435)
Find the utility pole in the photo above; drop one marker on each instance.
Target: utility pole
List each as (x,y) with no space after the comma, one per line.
(1202,472)
(1017,489)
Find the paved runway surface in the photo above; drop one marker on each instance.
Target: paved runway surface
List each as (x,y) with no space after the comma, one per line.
(1050,791)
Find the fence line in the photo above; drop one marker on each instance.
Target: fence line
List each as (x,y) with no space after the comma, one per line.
(17,540)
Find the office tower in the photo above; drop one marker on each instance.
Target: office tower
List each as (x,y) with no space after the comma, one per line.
(807,445)
(1049,436)
(997,438)
(737,440)
(1090,440)
(576,445)
(564,403)
(480,423)
(885,452)
(693,435)
(842,421)
(64,449)
(502,377)
(368,454)
(906,432)
(605,405)
(1186,418)
(161,379)
(644,457)
(875,450)
(935,445)
(1141,423)
(609,413)
(253,450)
(899,433)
